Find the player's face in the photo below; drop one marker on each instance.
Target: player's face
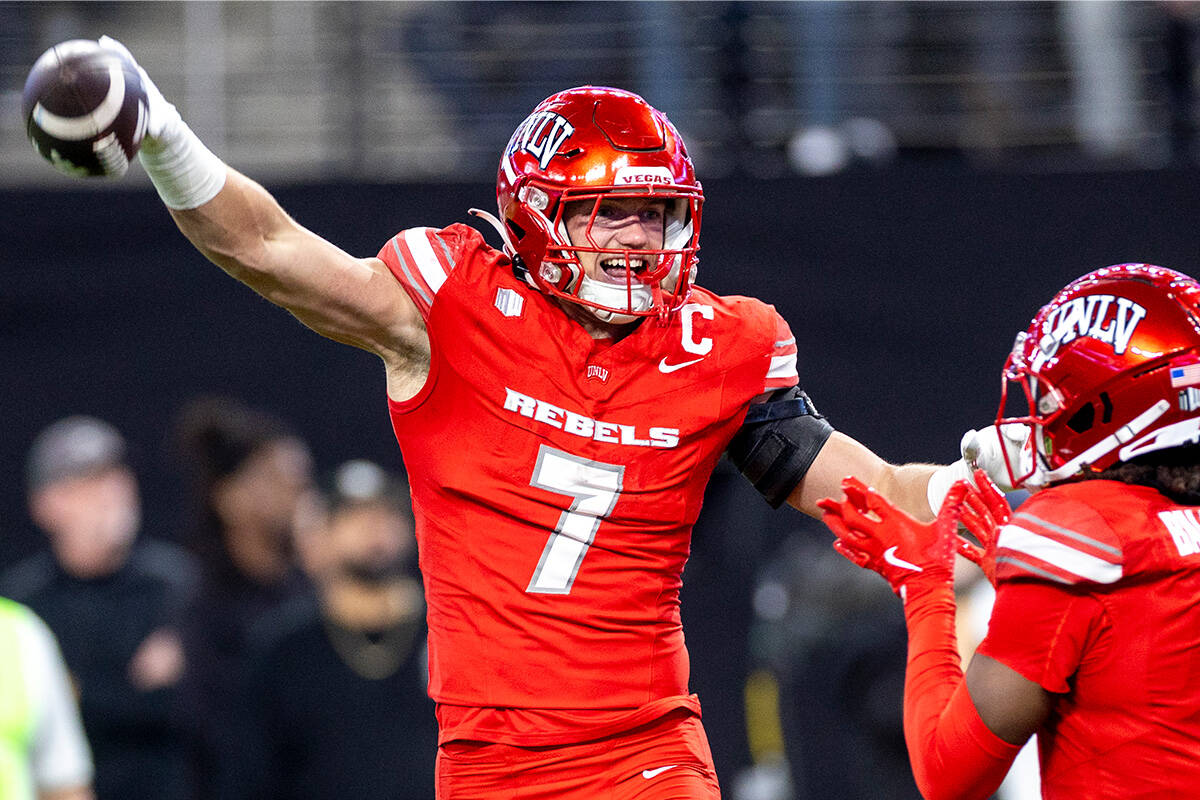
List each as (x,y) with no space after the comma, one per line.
(631,223)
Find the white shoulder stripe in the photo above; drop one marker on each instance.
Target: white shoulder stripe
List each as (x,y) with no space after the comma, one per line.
(1068,533)
(1089,567)
(412,281)
(782,366)
(430,267)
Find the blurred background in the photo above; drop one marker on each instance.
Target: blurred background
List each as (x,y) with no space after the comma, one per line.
(906,181)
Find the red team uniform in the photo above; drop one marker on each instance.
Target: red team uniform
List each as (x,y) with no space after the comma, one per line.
(555,483)
(1097,589)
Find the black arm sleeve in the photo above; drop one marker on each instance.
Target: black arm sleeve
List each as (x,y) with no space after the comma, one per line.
(777,443)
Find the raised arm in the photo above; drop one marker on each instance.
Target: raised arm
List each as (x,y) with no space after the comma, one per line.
(243,230)
(240,227)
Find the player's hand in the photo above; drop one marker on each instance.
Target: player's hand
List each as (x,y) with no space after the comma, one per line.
(984,512)
(161,115)
(877,535)
(992,450)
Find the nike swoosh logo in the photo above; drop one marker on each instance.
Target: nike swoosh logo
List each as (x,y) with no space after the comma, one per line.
(664,367)
(654,773)
(890,556)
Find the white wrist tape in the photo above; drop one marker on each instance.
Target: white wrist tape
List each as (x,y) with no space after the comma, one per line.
(942,479)
(185,172)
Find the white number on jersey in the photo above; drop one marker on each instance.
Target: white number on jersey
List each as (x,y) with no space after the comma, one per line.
(593,488)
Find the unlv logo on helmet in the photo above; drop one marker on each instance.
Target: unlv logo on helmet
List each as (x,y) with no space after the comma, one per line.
(1095,316)
(541,135)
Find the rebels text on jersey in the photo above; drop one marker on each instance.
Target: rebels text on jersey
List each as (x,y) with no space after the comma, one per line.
(556,479)
(1096,602)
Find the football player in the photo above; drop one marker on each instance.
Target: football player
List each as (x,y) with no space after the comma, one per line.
(1093,638)
(560,402)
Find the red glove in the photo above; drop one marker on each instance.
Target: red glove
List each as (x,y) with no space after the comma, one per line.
(984,513)
(875,534)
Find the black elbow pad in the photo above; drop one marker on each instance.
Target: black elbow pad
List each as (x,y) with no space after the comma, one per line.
(778,442)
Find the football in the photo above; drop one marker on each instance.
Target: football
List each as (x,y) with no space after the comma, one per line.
(85,108)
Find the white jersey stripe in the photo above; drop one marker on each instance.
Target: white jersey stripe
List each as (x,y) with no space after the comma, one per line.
(1068,533)
(1014,537)
(783,367)
(428,263)
(413,282)
(785,343)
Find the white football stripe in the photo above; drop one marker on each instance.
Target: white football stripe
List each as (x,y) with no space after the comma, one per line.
(782,366)
(427,262)
(75,129)
(1014,537)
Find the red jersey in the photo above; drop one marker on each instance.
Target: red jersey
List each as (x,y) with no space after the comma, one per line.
(1097,590)
(555,483)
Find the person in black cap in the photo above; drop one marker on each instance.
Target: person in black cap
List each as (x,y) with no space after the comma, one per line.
(112,597)
(338,688)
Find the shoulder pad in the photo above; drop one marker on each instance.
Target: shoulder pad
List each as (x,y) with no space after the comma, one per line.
(1059,540)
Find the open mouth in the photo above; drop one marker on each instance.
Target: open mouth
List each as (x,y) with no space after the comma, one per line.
(622,268)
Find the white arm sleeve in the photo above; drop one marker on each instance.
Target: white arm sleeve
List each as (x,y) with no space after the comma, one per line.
(59,754)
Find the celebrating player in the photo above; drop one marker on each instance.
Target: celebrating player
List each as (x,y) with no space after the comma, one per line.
(560,403)
(1092,641)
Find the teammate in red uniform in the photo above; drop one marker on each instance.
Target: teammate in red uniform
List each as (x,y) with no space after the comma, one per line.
(560,403)
(1093,639)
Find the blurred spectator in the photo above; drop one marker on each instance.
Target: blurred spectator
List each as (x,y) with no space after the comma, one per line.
(339,689)
(112,598)
(836,645)
(731,536)
(250,476)
(43,752)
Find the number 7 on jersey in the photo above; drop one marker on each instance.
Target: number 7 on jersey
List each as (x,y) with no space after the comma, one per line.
(593,488)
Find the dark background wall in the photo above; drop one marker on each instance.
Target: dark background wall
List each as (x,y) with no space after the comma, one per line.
(904,287)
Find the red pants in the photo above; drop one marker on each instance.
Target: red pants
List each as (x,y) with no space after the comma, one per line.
(667,759)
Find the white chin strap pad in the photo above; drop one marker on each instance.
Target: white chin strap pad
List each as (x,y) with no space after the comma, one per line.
(1123,435)
(614,296)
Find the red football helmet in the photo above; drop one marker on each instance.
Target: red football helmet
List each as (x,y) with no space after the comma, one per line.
(594,143)
(1111,371)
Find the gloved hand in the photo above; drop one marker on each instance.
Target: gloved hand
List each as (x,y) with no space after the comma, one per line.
(984,512)
(985,449)
(877,535)
(162,117)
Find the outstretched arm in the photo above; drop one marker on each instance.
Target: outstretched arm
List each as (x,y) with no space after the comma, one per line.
(239,226)
(905,485)
(789,451)
(244,231)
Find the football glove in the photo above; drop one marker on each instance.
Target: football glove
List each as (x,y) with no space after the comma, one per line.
(987,449)
(984,512)
(877,535)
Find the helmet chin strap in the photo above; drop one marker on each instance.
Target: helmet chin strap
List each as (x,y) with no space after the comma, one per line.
(1121,436)
(610,294)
